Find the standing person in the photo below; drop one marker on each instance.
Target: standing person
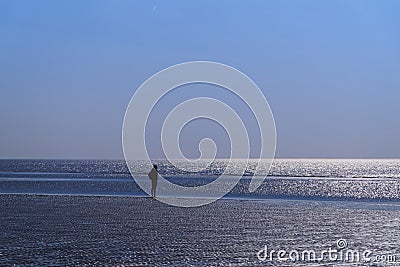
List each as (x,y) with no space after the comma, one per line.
(153,176)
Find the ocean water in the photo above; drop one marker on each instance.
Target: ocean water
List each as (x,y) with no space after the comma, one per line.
(310,179)
(65,213)
(54,230)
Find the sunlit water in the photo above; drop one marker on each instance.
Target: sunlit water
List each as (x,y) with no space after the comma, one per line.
(302,205)
(316,179)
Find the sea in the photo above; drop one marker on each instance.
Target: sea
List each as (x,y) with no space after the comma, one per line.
(92,213)
(307,179)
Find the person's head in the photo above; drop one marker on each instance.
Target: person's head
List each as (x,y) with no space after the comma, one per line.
(155,166)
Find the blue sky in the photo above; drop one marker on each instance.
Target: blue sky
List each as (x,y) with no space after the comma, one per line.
(329,69)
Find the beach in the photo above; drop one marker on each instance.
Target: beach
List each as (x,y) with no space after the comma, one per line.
(57,230)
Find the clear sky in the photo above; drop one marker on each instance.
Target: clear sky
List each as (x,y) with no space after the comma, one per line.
(329,69)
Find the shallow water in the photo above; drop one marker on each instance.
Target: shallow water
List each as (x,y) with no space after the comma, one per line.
(131,231)
(369,180)
(337,168)
(47,217)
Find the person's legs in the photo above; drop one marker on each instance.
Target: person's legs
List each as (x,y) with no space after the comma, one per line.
(153,189)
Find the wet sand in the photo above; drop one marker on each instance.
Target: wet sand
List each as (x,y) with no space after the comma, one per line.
(43,230)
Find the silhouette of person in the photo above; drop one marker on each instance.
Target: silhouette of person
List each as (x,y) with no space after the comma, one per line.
(153,176)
